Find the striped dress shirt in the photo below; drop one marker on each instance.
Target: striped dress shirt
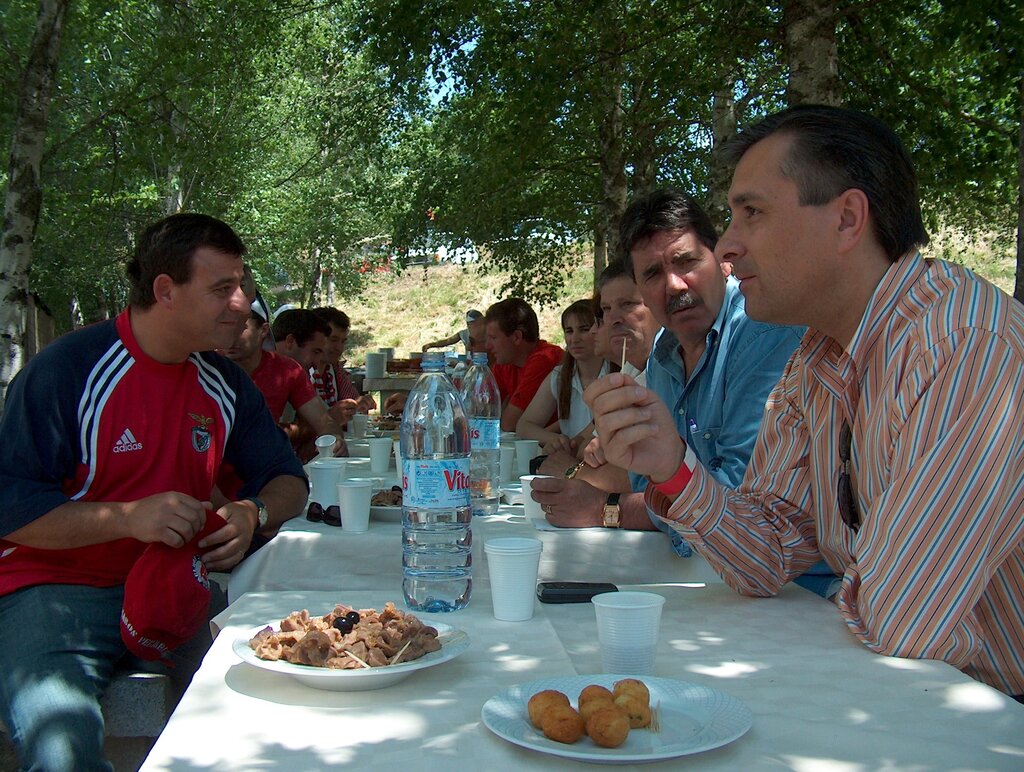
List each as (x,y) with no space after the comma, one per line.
(932,384)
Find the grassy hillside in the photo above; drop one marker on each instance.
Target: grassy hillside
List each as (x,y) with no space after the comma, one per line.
(429,303)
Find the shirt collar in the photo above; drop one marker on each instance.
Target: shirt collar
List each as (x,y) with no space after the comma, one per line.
(885,301)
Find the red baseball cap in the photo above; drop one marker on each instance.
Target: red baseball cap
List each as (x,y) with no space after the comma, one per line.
(166,596)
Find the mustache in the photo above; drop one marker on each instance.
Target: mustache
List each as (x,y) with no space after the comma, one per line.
(681,301)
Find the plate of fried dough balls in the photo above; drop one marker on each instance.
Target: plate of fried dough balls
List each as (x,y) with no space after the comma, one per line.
(616,719)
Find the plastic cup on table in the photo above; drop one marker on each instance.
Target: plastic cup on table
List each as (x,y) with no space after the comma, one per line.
(354,504)
(628,624)
(380,454)
(375,362)
(324,443)
(512,564)
(532,509)
(526,451)
(506,457)
(357,425)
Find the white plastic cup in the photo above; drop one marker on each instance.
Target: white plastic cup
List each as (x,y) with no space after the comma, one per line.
(388,352)
(375,362)
(627,630)
(324,444)
(526,451)
(532,509)
(357,425)
(507,455)
(354,504)
(323,477)
(512,564)
(380,454)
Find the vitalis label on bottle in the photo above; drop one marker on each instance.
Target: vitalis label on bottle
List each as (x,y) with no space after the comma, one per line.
(435,483)
(484,433)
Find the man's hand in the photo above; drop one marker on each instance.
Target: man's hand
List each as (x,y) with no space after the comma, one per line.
(569,503)
(556,464)
(395,403)
(558,443)
(171,518)
(230,542)
(593,454)
(343,410)
(636,430)
(366,403)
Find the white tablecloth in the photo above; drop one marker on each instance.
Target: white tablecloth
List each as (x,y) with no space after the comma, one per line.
(820,699)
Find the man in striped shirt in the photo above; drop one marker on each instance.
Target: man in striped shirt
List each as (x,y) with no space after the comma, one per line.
(893,445)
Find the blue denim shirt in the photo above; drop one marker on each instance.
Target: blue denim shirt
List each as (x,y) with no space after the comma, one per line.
(718,408)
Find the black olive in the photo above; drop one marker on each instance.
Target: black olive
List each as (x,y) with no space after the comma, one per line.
(343,625)
(353,617)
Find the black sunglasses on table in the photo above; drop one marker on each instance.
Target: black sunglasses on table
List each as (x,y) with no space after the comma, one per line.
(847,500)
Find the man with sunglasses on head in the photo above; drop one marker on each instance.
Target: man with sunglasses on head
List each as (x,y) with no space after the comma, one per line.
(892,446)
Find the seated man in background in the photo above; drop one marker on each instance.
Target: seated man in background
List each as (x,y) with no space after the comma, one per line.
(284,383)
(301,335)
(111,439)
(891,447)
(331,380)
(462,336)
(522,360)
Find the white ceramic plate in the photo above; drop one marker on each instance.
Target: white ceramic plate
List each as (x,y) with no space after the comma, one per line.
(693,719)
(453,643)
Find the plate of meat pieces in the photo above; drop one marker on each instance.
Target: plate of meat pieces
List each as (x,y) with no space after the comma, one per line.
(348,649)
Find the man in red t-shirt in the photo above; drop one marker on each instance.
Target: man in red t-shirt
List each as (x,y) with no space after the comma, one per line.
(522,359)
(283,381)
(331,380)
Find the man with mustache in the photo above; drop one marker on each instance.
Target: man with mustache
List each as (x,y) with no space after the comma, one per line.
(711,364)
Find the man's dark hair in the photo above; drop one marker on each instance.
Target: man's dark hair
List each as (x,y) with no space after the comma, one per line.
(302,323)
(334,317)
(665,209)
(835,149)
(167,246)
(514,314)
(616,269)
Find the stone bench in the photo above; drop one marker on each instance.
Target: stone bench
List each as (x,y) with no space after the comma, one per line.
(136,707)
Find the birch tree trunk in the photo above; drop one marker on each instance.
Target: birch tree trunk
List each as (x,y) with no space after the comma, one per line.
(1018,287)
(723,126)
(811,53)
(614,186)
(24,190)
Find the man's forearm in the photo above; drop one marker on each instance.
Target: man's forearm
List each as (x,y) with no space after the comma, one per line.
(633,513)
(75,524)
(284,498)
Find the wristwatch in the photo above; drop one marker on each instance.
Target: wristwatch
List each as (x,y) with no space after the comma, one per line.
(611,512)
(261,511)
(574,470)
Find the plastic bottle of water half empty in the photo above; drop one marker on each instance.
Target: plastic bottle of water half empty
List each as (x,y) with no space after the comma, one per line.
(482,399)
(437,557)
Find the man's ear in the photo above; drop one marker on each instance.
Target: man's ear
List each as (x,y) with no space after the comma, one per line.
(854,213)
(163,289)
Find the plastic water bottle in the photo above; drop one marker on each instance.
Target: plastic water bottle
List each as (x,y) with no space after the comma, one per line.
(483,406)
(437,556)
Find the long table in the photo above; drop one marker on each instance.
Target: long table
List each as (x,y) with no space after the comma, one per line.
(820,699)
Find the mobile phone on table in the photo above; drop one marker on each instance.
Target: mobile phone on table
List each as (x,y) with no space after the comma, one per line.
(572,592)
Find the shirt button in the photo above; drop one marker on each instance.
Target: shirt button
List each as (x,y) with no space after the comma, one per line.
(707,435)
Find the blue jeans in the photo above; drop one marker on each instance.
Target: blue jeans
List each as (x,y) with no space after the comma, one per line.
(58,648)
